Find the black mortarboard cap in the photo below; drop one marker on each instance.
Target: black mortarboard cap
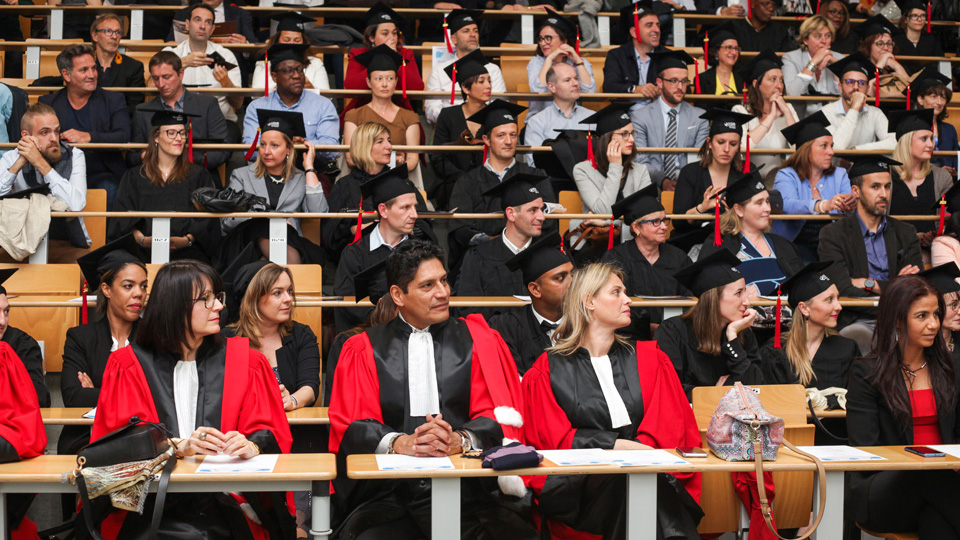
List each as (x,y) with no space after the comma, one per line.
(459,18)
(903,122)
(380,13)
(714,270)
(638,204)
(368,276)
(626,13)
(725,121)
(929,77)
(906,5)
(111,256)
(290,22)
(243,278)
(806,283)
(561,24)
(470,65)
(806,130)
(288,122)
(164,117)
(744,188)
(219,60)
(388,185)
(853,62)
(610,118)
(380,58)
(569,148)
(516,190)
(869,164)
(497,113)
(5,274)
(671,59)
(42,189)
(943,277)
(287,51)
(543,255)
(718,34)
(952,197)
(761,63)
(878,24)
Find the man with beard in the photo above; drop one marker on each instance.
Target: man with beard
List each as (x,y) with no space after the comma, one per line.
(42,158)
(463,25)
(868,248)
(854,123)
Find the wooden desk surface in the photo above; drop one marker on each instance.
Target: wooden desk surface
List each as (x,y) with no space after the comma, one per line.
(365,466)
(290,467)
(73,416)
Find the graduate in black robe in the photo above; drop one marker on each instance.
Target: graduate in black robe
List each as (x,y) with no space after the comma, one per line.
(484,271)
(395,200)
(26,348)
(468,193)
(648,224)
(545,268)
(474,375)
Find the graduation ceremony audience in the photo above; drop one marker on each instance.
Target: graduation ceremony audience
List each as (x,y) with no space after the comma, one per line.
(768,175)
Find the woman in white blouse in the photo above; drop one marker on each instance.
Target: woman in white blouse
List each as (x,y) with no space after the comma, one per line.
(765,91)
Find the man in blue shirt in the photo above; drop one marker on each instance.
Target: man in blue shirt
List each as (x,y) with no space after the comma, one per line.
(868,247)
(319,115)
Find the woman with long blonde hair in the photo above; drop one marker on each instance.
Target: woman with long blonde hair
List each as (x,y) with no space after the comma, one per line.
(595,389)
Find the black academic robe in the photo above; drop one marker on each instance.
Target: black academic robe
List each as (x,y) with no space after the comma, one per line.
(345,197)
(928,45)
(28,350)
(474,376)
(124,72)
(468,197)
(774,36)
(86,350)
(237,392)
(645,279)
(708,83)
(448,166)
(741,361)
(847,45)
(138,193)
(485,273)
(522,332)
(692,183)
(566,408)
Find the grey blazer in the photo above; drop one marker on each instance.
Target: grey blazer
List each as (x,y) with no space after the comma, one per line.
(296,196)
(650,132)
(598,193)
(209,125)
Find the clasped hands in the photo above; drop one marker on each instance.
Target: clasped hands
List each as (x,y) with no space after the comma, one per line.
(436,438)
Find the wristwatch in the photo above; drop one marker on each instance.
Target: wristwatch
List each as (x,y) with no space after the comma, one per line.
(631,89)
(869,284)
(465,444)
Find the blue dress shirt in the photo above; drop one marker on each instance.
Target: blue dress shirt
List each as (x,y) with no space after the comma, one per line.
(319,118)
(798,197)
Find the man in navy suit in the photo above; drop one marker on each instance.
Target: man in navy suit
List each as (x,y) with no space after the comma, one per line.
(89,114)
(629,68)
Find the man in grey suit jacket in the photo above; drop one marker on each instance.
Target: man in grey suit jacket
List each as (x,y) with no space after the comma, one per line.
(669,121)
(166,72)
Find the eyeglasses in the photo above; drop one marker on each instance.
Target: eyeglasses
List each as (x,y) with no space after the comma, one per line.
(545,39)
(110,31)
(917,16)
(624,134)
(291,70)
(852,82)
(175,133)
(675,82)
(884,44)
(836,11)
(730,48)
(209,299)
(656,222)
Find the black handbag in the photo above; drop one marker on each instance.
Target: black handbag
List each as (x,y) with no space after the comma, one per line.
(139,440)
(211,199)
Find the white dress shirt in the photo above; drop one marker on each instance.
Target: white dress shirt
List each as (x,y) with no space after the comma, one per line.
(862,130)
(511,246)
(204,74)
(376,239)
(619,416)
(541,319)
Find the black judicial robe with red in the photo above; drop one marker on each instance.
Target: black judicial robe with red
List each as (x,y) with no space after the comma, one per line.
(22,434)
(566,409)
(237,392)
(477,383)
(28,350)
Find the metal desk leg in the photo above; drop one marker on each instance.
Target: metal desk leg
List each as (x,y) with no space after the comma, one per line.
(136,24)
(278,240)
(56,24)
(445,509)
(320,522)
(603,27)
(160,241)
(526,29)
(679,32)
(40,255)
(672,312)
(3,513)
(831,527)
(33,62)
(641,506)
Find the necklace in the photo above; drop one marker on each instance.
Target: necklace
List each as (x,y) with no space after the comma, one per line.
(910,372)
(275,179)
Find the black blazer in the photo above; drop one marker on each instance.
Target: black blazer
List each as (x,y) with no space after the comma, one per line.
(620,70)
(708,81)
(127,73)
(209,125)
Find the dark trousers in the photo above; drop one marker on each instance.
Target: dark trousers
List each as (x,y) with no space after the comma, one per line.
(912,501)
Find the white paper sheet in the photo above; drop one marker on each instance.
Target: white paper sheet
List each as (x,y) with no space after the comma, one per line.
(521,297)
(92,413)
(949,449)
(399,462)
(585,456)
(644,458)
(840,453)
(263,463)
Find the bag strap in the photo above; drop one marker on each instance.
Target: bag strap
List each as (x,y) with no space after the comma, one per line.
(816,420)
(765,508)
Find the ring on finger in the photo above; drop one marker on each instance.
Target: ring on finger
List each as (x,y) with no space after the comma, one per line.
(203,436)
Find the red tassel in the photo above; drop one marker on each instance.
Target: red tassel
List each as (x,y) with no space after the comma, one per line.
(484,154)
(253,147)
(266,75)
(453,87)
(696,75)
(744,93)
(706,52)
(190,141)
(403,78)
(205,160)
(776,330)
(446,35)
(636,22)
(943,214)
(83,300)
(929,18)
(590,156)
(577,46)
(818,7)
(876,95)
(358,234)
(716,223)
(908,96)
(562,248)
(746,166)
(610,236)
(749,11)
